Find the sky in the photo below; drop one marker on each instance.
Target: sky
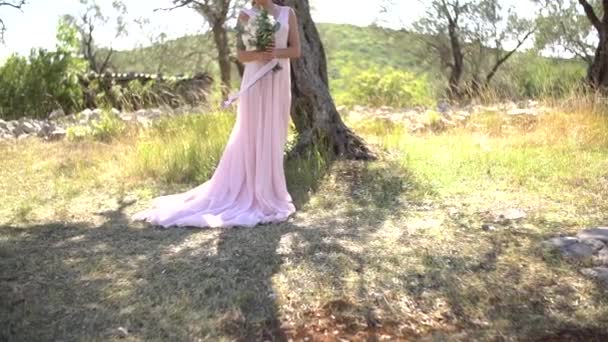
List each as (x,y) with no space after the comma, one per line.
(36,25)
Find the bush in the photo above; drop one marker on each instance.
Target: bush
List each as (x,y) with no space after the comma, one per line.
(131,96)
(107,127)
(387,87)
(37,85)
(43,82)
(542,77)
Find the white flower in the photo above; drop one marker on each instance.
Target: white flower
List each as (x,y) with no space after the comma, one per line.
(250,33)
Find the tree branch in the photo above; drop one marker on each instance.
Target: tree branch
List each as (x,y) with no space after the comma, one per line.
(17,5)
(179,4)
(584,50)
(502,60)
(106,62)
(590,12)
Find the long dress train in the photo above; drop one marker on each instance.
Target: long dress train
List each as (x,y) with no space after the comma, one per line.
(248,186)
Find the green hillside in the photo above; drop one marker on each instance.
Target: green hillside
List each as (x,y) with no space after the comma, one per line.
(353,50)
(363,46)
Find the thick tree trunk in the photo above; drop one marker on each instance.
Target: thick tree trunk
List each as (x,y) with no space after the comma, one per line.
(597,74)
(458,62)
(313,110)
(220,36)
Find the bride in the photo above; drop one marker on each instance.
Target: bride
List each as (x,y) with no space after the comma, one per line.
(248,186)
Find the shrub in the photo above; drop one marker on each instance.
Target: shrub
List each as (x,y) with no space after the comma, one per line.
(388,87)
(43,82)
(107,127)
(37,85)
(541,77)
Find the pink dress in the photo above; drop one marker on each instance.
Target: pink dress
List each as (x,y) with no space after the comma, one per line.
(248,186)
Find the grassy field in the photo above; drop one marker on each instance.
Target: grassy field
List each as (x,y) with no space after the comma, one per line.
(392,249)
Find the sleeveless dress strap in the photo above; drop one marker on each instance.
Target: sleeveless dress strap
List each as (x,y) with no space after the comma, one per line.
(284,11)
(250,12)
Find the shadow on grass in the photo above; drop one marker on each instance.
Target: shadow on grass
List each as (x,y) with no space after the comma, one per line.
(82,282)
(79,281)
(492,297)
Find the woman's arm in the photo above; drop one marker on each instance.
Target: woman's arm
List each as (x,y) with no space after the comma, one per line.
(293,49)
(242,54)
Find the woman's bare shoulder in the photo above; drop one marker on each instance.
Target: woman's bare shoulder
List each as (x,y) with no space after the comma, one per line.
(291,10)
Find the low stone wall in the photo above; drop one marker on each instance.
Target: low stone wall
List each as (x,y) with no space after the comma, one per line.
(417,120)
(167,90)
(56,125)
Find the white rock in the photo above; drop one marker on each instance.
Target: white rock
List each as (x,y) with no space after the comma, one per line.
(577,251)
(600,233)
(126,117)
(448,123)
(596,245)
(58,133)
(598,273)
(559,242)
(523,111)
(512,214)
(459,118)
(510,105)
(28,127)
(17,130)
(57,114)
(144,121)
(122,332)
(155,112)
(358,108)
(602,257)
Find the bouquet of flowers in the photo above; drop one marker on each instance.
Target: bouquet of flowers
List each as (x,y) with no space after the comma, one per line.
(258,33)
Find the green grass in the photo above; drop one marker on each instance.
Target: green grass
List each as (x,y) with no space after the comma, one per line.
(391,248)
(184,149)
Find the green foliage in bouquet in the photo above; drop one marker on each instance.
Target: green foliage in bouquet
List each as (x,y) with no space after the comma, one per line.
(266,27)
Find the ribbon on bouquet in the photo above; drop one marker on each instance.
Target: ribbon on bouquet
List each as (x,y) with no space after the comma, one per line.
(256,77)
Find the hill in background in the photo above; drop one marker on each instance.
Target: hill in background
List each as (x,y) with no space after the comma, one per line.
(352,50)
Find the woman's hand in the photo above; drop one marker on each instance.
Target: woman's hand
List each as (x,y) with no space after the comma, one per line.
(268,54)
